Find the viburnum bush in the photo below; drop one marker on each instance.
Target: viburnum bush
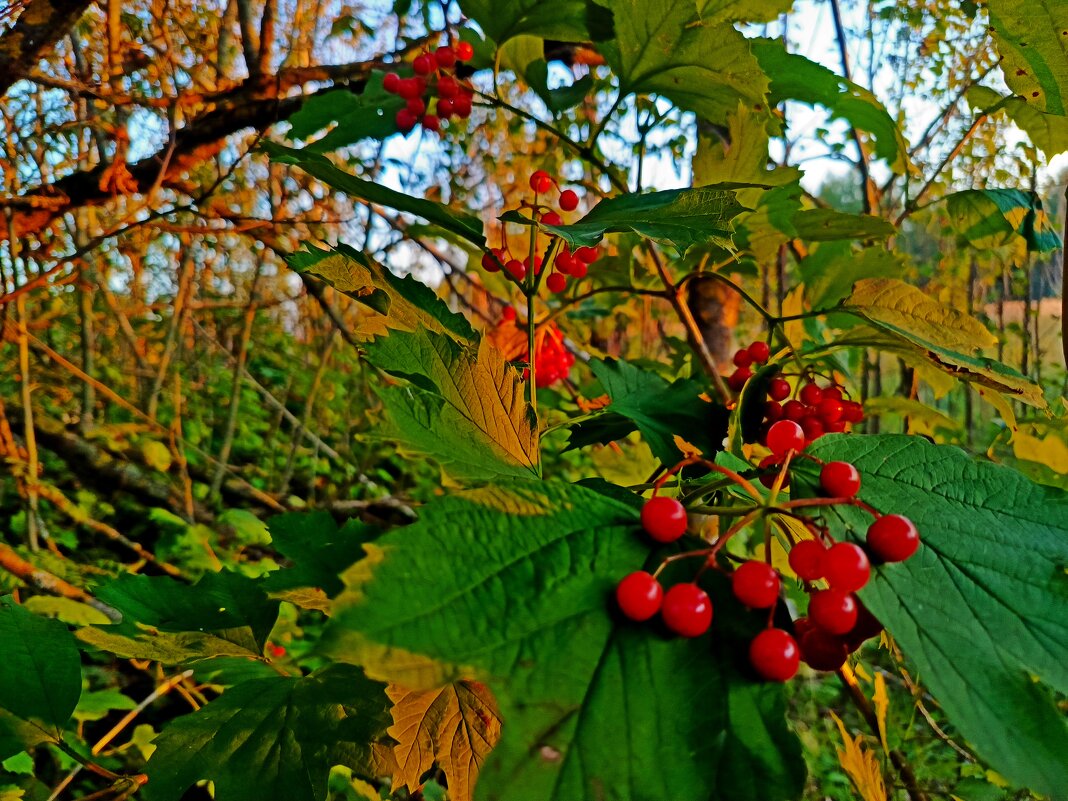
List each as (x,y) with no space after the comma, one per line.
(537,634)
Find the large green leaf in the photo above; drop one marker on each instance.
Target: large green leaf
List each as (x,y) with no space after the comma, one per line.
(794,77)
(319,549)
(454,221)
(982,608)
(226,603)
(405,303)
(168,648)
(562,20)
(272,738)
(990,218)
(830,270)
(668,48)
(678,217)
(1048,132)
(466,408)
(1030,36)
(644,401)
(358,116)
(593,707)
(40,669)
(742,10)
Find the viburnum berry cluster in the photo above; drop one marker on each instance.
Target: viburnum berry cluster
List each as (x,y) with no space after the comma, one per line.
(435,93)
(552,358)
(564,263)
(831,572)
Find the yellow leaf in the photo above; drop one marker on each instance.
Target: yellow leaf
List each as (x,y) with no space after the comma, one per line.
(861,765)
(793,304)
(881,701)
(455,726)
(688,449)
(1050,449)
(156,455)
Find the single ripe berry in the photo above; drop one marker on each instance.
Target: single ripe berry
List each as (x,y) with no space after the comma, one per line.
(759,352)
(416,106)
(830,410)
(811,394)
(756,584)
(639,595)
(579,270)
(461,105)
(391,82)
(490,263)
(836,427)
(774,655)
(785,436)
(445,57)
(565,263)
(447,86)
(738,378)
(551,218)
(405,120)
(556,283)
(846,567)
(587,254)
(812,427)
(852,412)
(840,479)
(820,649)
(423,65)
(742,358)
(409,88)
(772,411)
(540,181)
(806,559)
(664,519)
(768,478)
(444,108)
(464,51)
(687,610)
(793,410)
(431,122)
(834,611)
(568,200)
(778,389)
(516,269)
(832,392)
(893,538)
(277,651)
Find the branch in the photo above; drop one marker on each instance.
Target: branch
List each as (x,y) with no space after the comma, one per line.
(41,24)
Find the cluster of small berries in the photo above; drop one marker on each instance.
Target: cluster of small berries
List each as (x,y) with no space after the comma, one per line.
(453,96)
(552,359)
(837,622)
(818,410)
(565,264)
(744,359)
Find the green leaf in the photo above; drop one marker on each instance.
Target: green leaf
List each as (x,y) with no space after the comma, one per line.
(830,270)
(678,217)
(982,608)
(524,55)
(226,603)
(669,49)
(794,77)
(713,11)
(466,410)
(73,612)
(821,225)
(742,158)
(644,401)
(1048,132)
(562,20)
(370,114)
(460,223)
(159,646)
(271,738)
(40,672)
(406,303)
(1030,36)
(532,617)
(319,548)
(96,705)
(991,218)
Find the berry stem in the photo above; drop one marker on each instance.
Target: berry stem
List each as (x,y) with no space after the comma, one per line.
(802,503)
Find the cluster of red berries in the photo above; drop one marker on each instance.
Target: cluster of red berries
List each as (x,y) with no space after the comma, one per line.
(454,96)
(565,262)
(837,622)
(552,359)
(744,359)
(817,410)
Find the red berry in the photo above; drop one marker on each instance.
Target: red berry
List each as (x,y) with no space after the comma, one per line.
(277,651)
(431,122)
(811,394)
(840,479)
(416,106)
(806,559)
(852,412)
(556,283)
(737,379)
(540,181)
(867,626)
(793,410)
(774,655)
(587,254)
(687,610)
(516,269)
(846,567)
(742,358)
(778,389)
(820,649)
(568,200)
(893,538)
(464,51)
(835,428)
(461,106)
(759,352)
(834,611)
(423,65)
(508,313)
(444,108)
(537,264)
(832,392)
(490,263)
(768,479)
(812,427)
(772,411)
(639,595)
(830,410)
(391,82)
(551,218)
(445,57)
(580,269)
(409,88)
(447,86)
(565,264)
(756,584)
(664,519)
(785,436)
(405,120)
